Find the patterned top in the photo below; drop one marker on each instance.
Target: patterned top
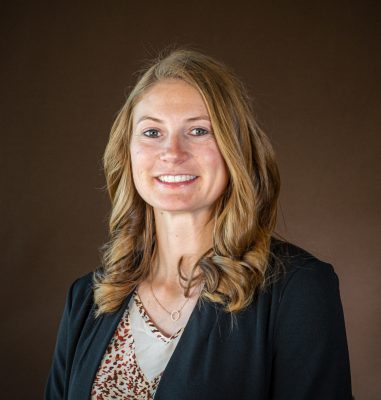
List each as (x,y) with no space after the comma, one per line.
(135,357)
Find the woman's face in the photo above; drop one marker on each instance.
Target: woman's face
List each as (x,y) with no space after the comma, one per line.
(176,163)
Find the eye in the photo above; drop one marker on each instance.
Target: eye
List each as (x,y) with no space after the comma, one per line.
(151,133)
(199,131)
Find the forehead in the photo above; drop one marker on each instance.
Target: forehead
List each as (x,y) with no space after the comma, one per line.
(170,97)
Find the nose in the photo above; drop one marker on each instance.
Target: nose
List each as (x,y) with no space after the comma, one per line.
(174,149)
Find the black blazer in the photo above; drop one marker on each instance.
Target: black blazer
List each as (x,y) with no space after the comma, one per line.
(289,344)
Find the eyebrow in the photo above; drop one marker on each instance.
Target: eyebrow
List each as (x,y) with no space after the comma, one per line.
(191,119)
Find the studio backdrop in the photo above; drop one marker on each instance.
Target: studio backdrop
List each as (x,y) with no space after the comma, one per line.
(312,69)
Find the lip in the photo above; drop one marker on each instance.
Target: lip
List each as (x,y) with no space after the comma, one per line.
(173,183)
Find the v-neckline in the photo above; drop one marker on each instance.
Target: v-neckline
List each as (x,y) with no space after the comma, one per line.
(133,349)
(151,324)
(100,331)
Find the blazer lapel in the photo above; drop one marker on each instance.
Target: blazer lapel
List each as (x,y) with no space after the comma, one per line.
(177,378)
(92,344)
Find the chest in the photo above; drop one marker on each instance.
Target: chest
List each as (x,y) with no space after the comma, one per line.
(231,360)
(216,357)
(168,313)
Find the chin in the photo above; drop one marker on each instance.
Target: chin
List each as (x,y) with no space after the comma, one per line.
(173,209)
(182,209)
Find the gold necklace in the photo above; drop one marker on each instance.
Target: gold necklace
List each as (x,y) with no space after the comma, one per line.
(175,314)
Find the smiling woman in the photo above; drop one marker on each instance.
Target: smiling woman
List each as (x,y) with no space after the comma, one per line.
(196,299)
(176,162)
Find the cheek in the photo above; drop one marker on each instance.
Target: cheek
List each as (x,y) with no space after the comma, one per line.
(138,175)
(134,157)
(142,163)
(137,158)
(216,164)
(137,169)
(217,160)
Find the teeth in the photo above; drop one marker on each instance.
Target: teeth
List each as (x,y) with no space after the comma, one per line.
(176,178)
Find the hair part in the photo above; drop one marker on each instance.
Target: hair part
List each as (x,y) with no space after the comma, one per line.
(234,269)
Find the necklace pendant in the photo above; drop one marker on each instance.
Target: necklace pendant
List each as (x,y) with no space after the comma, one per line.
(175,315)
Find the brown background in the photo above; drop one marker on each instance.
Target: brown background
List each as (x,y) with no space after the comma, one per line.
(313,69)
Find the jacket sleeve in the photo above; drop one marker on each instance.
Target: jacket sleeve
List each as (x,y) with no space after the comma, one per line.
(56,384)
(310,346)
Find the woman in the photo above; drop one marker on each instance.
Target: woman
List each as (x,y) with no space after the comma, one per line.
(195,298)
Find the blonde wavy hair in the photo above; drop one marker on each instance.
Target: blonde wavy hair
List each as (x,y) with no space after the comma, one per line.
(234,269)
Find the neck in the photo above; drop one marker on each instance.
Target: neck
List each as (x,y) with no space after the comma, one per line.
(182,237)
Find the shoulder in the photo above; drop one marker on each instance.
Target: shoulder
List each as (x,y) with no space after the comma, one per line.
(83,283)
(300,282)
(306,288)
(80,292)
(294,257)
(289,262)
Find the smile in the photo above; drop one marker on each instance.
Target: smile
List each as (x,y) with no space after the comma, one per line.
(176,178)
